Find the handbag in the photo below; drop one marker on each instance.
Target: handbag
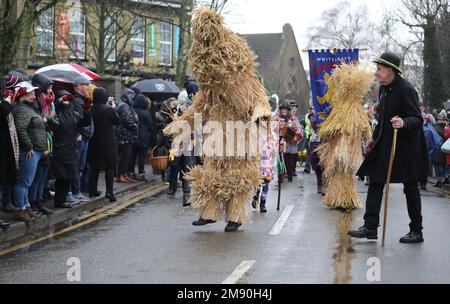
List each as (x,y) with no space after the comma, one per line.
(446,147)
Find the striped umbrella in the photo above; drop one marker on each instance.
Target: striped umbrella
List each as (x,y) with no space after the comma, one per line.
(67,72)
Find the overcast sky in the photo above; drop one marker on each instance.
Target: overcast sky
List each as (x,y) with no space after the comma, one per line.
(269,16)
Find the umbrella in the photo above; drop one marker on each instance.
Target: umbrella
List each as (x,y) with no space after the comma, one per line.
(157,90)
(67,71)
(447,105)
(64,75)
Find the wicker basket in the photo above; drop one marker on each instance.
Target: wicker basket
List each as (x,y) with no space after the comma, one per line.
(159,163)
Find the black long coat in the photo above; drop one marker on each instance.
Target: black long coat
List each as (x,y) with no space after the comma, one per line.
(64,162)
(411,159)
(7,160)
(102,151)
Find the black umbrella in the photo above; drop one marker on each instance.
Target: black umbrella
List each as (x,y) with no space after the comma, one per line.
(157,90)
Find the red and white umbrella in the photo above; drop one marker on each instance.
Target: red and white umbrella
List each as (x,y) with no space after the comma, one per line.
(67,72)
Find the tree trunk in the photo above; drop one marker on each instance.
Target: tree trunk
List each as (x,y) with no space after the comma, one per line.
(184,41)
(433,77)
(26,33)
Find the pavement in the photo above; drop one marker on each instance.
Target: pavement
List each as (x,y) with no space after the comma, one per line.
(152,241)
(20,231)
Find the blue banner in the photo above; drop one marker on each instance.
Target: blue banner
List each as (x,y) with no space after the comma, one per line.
(321,65)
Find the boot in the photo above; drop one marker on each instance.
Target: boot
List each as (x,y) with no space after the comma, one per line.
(121,179)
(33,213)
(22,216)
(262,206)
(39,207)
(438,184)
(364,233)
(129,179)
(202,222)
(255,201)
(446,181)
(111,197)
(142,178)
(232,227)
(412,237)
(4,224)
(95,194)
(186,197)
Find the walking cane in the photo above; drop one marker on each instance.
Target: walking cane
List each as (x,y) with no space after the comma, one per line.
(388,181)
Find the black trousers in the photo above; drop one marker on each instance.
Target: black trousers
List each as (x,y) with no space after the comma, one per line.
(139,155)
(413,201)
(125,153)
(62,187)
(109,180)
(291,163)
(178,167)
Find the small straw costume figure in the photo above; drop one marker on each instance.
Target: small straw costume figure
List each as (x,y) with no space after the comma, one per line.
(223,65)
(342,133)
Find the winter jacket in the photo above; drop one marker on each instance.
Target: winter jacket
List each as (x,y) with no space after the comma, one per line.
(127,132)
(30,128)
(145,121)
(8,163)
(65,125)
(79,103)
(102,151)
(411,159)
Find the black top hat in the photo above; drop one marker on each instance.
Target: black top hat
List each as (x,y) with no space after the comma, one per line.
(285,105)
(390,60)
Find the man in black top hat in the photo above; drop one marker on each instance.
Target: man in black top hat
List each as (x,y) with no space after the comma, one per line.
(398,109)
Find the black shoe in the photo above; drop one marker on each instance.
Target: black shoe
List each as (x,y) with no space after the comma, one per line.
(255,202)
(4,224)
(262,206)
(232,227)
(364,233)
(95,194)
(423,187)
(438,184)
(446,181)
(64,206)
(186,197)
(290,180)
(412,237)
(171,192)
(111,197)
(203,222)
(39,207)
(307,171)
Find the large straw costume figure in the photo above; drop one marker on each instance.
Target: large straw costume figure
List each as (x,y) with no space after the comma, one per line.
(222,63)
(343,132)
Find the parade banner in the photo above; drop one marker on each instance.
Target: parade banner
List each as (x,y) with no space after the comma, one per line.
(321,64)
(63,31)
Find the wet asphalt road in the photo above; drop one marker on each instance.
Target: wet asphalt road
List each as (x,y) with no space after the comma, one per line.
(154,242)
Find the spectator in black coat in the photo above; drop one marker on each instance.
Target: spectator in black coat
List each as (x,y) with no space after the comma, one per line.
(64,162)
(141,107)
(102,151)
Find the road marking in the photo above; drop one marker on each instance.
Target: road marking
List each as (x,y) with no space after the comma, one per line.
(94,216)
(239,272)
(282,220)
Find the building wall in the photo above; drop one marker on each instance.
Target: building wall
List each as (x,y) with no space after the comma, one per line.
(151,42)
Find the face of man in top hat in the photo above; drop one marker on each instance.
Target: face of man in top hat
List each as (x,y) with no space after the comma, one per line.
(385,75)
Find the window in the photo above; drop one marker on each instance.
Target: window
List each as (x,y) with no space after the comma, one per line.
(138,38)
(110,39)
(44,32)
(165,43)
(77,35)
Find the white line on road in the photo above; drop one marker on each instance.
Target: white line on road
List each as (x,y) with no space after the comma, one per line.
(282,220)
(239,272)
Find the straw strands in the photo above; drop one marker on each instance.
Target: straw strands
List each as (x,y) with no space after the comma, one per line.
(343,133)
(223,64)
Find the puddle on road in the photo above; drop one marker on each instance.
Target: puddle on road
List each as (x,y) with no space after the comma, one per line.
(344,252)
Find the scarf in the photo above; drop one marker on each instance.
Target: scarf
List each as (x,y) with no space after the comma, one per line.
(14,138)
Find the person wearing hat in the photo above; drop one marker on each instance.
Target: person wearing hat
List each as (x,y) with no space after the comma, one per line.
(102,150)
(286,119)
(64,162)
(398,109)
(81,104)
(30,127)
(9,158)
